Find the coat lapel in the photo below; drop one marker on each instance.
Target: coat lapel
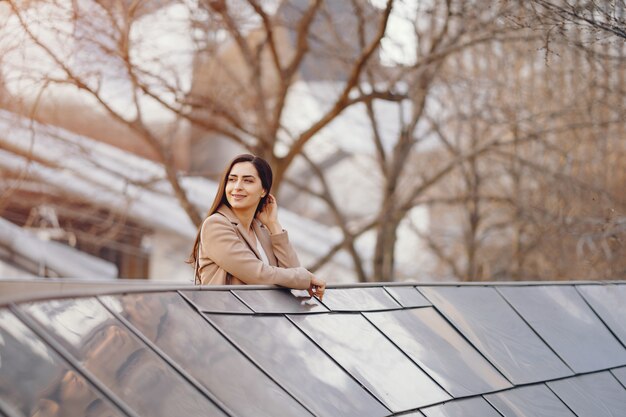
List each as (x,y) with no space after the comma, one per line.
(228,213)
(265,240)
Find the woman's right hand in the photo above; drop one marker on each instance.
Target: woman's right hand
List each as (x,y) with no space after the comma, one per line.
(317,287)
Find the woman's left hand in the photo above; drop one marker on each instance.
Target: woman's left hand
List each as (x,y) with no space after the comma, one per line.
(269,215)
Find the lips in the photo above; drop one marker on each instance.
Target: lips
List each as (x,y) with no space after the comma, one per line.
(238,196)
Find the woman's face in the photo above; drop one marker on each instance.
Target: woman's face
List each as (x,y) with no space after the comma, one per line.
(243,187)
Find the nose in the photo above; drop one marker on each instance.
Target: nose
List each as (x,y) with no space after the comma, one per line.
(238,185)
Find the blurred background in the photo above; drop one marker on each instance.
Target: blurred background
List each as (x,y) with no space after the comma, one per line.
(411,140)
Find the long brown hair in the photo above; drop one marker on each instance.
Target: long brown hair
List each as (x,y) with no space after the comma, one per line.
(265,174)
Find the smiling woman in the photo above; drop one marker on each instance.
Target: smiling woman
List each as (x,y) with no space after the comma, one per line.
(241,240)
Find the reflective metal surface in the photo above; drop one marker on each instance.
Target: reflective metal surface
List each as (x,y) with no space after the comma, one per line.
(592,395)
(471,407)
(359,299)
(573,330)
(620,374)
(117,358)
(440,351)
(299,366)
(408,296)
(530,401)
(280,301)
(171,324)
(609,302)
(496,330)
(217,301)
(36,381)
(371,359)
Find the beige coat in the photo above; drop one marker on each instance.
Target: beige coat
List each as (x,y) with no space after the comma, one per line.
(227,256)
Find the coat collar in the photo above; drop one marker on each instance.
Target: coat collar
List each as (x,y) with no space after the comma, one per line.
(258,227)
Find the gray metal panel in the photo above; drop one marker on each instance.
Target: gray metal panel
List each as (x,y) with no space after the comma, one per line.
(364,352)
(408,296)
(592,395)
(609,301)
(359,299)
(496,330)
(440,351)
(470,407)
(35,380)
(573,330)
(217,301)
(620,374)
(299,366)
(186,337)
(530,401)
(280,301)
(117,358)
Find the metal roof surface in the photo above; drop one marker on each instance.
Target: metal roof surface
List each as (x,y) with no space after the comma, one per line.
(472,350)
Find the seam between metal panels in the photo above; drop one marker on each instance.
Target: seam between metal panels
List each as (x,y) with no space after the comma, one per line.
(516,387)
(469,342)
(173,364)
(593,310)
(560,399)
(280,313)
(264,313)
(199,309)
(616,378)
(337,363)
(400,303)
(481,396)
(406,355)
(566,364)
(534,331)
(244,354)
(242,302)
(492,406)
(39,330)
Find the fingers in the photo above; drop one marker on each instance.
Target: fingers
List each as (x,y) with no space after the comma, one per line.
(317,288)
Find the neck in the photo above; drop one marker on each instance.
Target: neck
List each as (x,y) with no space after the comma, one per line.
(245,217)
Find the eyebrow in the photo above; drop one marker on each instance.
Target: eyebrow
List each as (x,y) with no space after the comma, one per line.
(244,176)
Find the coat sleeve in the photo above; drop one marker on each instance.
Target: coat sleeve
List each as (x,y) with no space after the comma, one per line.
(284,252)
(221,243)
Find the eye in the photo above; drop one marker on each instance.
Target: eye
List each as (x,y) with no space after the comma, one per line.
(249,180)
(231,179)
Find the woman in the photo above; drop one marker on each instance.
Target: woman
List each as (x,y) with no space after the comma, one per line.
(241,240)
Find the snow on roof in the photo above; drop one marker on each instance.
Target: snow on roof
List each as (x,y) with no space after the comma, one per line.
(63,259)
(90,170)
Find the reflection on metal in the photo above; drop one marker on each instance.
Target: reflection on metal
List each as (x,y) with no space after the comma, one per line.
(359,299)
(440,351)
(474,407)
(573,331)
(407,296)
(608,303)
(280,301)
(530,401)
(366,354)
(518,350)
(498,332)
(597,395)
(217,302)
